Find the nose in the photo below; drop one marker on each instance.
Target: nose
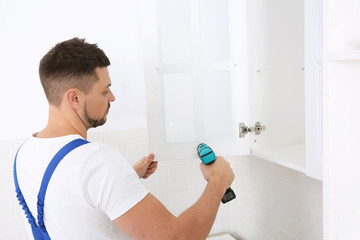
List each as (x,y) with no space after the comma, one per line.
(112,97)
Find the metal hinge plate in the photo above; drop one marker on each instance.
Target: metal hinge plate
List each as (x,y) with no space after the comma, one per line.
(243,129)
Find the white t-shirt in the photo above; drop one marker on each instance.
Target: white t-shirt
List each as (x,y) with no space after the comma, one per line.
(90,187)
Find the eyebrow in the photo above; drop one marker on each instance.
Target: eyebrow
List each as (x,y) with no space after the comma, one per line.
(108,86)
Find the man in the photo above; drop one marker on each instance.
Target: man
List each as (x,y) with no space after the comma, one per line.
(94,193)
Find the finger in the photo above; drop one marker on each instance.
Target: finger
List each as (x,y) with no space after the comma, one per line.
(153,165)
(150,157)
(151,170)
(142,160)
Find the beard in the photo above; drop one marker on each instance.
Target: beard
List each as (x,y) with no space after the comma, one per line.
(95,122)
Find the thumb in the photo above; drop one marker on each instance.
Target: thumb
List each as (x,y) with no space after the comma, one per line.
(150,158)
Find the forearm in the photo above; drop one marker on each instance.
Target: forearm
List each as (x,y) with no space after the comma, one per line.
(149,219)
(196,222)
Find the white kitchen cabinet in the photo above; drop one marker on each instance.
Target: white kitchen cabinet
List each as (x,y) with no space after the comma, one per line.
(342,134)
(211,65)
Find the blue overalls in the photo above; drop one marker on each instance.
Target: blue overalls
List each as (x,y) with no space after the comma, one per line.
(39,230)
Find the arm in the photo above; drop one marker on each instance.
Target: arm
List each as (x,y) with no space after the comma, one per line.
(149,219)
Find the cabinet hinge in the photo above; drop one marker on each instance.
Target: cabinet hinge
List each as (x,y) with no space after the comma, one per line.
(243,129)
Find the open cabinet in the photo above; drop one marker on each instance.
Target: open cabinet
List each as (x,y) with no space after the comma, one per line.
(276,67)
(214,68)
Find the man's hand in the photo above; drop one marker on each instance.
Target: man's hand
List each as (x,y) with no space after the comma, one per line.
(145,166)
(219,172)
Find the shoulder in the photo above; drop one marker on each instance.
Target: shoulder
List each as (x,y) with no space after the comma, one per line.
(103,159)
(98,151)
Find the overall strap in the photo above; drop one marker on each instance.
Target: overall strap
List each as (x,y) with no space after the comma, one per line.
(49,172)
(40,232)
(20,197)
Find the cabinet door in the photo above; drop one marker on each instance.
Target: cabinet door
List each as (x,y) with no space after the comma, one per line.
(196,76)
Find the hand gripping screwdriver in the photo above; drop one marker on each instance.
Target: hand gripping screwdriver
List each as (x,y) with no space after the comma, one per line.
(208,157)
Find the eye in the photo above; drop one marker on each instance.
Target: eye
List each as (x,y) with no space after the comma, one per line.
(105,93)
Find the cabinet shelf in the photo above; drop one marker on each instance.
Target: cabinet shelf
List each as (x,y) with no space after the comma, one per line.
(291,156)
(344,55)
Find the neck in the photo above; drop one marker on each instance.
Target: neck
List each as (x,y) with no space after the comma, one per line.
(63,122)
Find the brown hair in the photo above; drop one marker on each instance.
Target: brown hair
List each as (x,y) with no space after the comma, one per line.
(70,64)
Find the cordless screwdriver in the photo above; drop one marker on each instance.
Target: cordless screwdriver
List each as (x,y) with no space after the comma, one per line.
(208,157)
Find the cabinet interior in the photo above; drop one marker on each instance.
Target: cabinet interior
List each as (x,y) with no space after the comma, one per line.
(275,32)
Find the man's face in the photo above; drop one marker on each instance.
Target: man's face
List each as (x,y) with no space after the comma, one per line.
(98,100)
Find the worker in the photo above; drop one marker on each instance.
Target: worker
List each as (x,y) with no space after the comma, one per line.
(74,189)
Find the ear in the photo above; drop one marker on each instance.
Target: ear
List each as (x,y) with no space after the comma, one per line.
(73,98)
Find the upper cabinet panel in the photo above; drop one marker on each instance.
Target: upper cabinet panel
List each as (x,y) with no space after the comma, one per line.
(179,107)
(217,106)
(196,76)
(214,30)
(174,22)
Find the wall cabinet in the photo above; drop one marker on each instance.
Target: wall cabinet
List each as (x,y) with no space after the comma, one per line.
(341,46)
(211,66)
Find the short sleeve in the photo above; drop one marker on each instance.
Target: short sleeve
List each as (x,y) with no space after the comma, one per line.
(110,183)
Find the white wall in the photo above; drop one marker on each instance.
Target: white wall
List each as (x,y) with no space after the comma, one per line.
(28,29)
(274,202)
